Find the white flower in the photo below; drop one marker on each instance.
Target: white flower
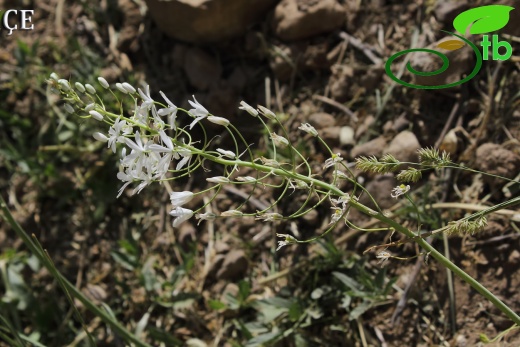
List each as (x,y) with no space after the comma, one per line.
(383,256)
(186,154)
(103,82)
(55,76)
(80,87)
(136,145)
(166,140)
(100,137)
(198,111)
(338,212)
(342,200)
(229,154)
(96,115)
(181,214)
(121,88)
(170,111)
(180,198)
(248,108)
(266,112)
(232,213)
(205,216)
(218,179)
(279,140)
(128,87)
(309,129)
(269,217)
(400,190)
(288,239)
(148,102)
(114,131)
(336,158)
(219,120)
(90,89)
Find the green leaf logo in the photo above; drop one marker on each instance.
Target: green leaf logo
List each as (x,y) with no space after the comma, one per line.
(482,19)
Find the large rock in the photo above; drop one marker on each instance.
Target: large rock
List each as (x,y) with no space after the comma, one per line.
(301,19)
(207,21)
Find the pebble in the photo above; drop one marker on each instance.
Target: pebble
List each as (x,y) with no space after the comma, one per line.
(234,266)
(296,20)
(322,120)
(404,146)
(346,136)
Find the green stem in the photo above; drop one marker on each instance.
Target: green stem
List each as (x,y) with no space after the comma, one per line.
(381,217)
(116,326)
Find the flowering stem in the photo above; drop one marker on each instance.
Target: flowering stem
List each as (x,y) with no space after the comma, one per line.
(381,217)
(107,318)
(444,261)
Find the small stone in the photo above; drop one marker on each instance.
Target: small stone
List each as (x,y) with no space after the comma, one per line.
(461,341)
(446,11)
(221,247)
(311,217)
(330,135)
(374,147)
(296,20)
(207,21)
(322,120)
(404,147)
(496,160)
(187,234)
(380,188)
(234,266)
(346,136)
(514,257)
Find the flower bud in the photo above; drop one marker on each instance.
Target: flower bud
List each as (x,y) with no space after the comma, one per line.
(248,108)
(309,129)
(279,140)
(80,87)
(69,108)
(266,112)
(245,179)
(90,107)
(229,154)
(103,82)
(219,120)
(232,213)
(121,88)
(64,84)
(128,87)
(100,137)
(218,179)
(96,115)
(90,89)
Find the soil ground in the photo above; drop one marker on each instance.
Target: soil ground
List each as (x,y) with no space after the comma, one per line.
(62,188)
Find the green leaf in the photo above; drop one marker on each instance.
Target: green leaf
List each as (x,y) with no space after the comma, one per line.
(359,310)
(349,282)
(483,19)
(260,340)
(216,304)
